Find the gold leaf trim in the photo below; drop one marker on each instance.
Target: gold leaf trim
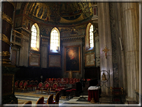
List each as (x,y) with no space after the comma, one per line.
(5,53)
(6,18)
(5,39)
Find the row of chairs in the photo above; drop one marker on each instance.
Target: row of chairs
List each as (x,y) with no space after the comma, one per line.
(50,100)
(49,87)
(63,80)
(25,85)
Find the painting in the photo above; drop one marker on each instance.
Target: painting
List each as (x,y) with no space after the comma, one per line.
(90,59)
(34,59)
(72,58)
(54,61)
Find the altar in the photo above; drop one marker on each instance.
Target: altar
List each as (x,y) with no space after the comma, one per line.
(93,94)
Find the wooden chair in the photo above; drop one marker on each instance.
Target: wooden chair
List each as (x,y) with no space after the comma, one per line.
(50,99)
(56,99)
(16,85)
(54,87)
(21,85)
(40,100)
(30,85)
(46,87)
(40,86)
(25,86)
(27,104)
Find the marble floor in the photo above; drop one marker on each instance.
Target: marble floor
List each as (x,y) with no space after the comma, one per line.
(32,96)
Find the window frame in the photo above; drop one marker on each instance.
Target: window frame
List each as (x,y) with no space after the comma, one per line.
(37,48)
(58,41)
(87,38)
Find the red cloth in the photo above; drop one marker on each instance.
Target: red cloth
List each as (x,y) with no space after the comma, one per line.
(93,94)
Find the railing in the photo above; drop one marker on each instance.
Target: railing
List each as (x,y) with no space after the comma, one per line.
(17,38)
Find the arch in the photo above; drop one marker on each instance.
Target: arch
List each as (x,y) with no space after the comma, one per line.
(35,38)
(55,40)
(89,38)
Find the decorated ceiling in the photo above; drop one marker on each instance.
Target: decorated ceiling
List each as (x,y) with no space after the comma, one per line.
(59,12)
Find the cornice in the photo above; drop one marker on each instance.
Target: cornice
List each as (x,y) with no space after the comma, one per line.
(23,29)
(72,37)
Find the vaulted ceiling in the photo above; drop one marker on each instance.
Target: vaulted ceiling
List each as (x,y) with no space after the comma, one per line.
(58,12)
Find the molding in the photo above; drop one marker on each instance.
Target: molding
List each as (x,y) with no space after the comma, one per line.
(5,39)
(7,18)
(72,37)
(24,29)
(4,53)
(44,45)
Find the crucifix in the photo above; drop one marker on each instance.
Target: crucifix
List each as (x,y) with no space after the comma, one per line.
(105,51)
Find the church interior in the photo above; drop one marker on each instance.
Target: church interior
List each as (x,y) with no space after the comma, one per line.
(70,53)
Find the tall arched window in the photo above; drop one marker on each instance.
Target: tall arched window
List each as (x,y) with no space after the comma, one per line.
(89,39)
(35,40)
(55,40)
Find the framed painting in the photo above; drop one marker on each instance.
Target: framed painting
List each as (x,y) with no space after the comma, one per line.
(54,61)
(72,58)
(34,59)
(90,59)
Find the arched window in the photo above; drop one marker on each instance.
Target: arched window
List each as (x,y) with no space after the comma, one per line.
(55,40)
(89,39)
(35,40)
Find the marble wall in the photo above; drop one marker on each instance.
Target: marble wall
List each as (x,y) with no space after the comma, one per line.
(130,41)
(119,32)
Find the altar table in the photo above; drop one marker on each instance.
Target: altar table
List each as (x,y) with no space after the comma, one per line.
(93,94)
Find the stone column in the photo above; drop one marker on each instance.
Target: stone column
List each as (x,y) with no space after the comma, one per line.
(130,29)
(44,52)
(105,41)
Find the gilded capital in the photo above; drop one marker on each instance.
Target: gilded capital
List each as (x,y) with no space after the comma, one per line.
(5,39)
(6,18)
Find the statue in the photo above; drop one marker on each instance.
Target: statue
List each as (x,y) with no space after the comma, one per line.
(104,77)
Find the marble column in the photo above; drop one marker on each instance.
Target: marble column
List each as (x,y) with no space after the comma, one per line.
(130,29)
(105,41)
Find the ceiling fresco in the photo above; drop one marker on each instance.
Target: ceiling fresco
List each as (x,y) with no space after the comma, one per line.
(60,12)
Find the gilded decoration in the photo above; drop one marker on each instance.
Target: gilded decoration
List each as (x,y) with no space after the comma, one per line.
(5,39)
(60,12)
(105,51)
(6,18)
(39,10)
(5,53)
(45,30)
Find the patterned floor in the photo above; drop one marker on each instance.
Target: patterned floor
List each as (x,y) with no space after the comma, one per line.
(73,102)
(32,96)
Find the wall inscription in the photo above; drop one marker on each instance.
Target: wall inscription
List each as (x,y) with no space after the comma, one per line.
(90,59)
(54,61)
(34,60)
